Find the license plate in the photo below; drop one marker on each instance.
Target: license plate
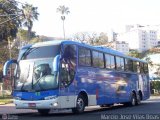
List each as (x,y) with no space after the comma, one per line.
(32,105)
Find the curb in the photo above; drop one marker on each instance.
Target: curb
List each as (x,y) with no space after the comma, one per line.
(2,103)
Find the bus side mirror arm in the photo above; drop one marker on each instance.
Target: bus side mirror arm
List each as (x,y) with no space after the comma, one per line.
(6,66)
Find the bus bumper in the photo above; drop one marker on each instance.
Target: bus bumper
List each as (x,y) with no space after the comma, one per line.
(40,104)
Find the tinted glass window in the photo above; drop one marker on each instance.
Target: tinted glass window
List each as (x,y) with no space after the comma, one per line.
(41,52)
(84,56)
(145,67)
(70,53)
(128,65)
(68,65)
(135,66)
(101,60)
(119,63)
(141,68)
(110,63)
(98,59)
(95,59)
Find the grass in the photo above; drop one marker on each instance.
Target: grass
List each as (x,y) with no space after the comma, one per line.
(5,100)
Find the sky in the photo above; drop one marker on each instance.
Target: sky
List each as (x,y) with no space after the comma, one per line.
(93,15)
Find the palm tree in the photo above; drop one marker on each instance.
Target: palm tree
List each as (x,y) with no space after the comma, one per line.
(29,15)
(63,10)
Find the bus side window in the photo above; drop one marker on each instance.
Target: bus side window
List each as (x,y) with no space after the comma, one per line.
(138,67)
(128,65)
(98,60)
(68,64)
(84,56)
(145,67)
(119,63)
(141,68)
(135,66)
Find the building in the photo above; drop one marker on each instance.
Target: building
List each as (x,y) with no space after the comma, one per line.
(139,37)
(112,36)
(120,46)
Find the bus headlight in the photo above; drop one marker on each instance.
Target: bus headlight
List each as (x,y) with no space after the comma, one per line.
(17,98)
(55,104)
(50,97)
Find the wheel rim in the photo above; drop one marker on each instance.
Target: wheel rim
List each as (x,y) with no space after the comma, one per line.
(138,99)
(133,101)
(80,104)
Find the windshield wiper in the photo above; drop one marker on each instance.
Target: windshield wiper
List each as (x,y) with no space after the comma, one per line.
(37,82)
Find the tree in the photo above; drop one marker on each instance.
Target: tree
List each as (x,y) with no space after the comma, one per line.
(91,38)
(134,53)
(22,38)
(63,11)
(9,19)
(30,14)
(149,61)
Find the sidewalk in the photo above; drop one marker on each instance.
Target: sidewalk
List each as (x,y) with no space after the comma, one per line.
(10,109)
(154,97)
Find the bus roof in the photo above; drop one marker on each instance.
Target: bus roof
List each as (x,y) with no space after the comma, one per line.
(97,48)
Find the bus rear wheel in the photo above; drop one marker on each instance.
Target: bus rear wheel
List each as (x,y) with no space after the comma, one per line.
(138,101)
(80,105)
(44,111)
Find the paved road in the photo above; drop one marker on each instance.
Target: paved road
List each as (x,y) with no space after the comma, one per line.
(149,109)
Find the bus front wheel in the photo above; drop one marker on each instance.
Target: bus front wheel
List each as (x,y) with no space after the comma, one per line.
(133,100)
(44,111)
(80,105)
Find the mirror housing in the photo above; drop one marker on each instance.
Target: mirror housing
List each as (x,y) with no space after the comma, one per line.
(56,63)
(6,66)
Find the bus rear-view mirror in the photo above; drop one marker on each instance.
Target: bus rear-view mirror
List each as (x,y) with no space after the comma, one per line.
(8,69)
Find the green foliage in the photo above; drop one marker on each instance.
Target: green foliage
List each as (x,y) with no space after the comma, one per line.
(30,14)
(63,10)
(134,53)
(13,15)
(35,40)
(155,85)
(22,35)
(9,20)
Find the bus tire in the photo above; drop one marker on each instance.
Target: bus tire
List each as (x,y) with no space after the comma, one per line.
(44,111)
(138,100)
(80,104)
(132,100)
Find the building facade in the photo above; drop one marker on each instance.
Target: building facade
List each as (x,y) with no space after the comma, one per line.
(139,37)
(120,46)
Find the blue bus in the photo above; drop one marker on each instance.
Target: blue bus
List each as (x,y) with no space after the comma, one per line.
(67,74)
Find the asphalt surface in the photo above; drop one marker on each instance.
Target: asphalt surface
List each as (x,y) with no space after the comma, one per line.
(148,110)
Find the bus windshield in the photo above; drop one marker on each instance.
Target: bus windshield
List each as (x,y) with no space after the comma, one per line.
(35,69)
